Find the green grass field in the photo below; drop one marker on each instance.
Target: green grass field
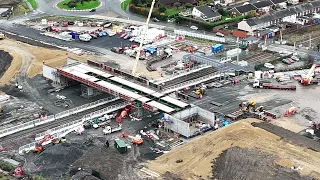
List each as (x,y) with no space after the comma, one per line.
(33,3)
(125,4)
(173,11)
(79,6)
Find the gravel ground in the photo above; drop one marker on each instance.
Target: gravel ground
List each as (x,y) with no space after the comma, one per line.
(289,136)
(245,164)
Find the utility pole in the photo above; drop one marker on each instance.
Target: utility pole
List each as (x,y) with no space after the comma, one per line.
(280,35)
(265,41)
(237,50)
(310,41)
(142,40)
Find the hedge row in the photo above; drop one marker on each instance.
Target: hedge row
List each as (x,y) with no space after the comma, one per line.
(208,25)
(145,11)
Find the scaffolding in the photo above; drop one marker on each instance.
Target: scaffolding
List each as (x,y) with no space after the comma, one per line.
(89,92)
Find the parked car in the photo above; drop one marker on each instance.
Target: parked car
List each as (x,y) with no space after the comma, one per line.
(123,35)
(155,20)
(219,34)
(286,61)
(295,58)
(290,60)
(94,36)
(118,50)
(92,10)
(71,23)
(127,36)
(194,27)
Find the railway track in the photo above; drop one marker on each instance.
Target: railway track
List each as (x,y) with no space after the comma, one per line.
(30,133)
(191,76)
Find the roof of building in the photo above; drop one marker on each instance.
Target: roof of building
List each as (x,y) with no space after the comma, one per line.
(165,2)
(283,13)
(278,1)
(245,8)
(207,12)
(251,22)
(262,4)
(251,38)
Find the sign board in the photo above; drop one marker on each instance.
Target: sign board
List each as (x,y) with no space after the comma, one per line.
(233,52)
(44,21)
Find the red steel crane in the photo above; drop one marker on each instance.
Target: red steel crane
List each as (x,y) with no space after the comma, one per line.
(307,80)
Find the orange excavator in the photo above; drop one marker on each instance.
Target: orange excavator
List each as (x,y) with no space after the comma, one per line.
(39,147)
(124,113)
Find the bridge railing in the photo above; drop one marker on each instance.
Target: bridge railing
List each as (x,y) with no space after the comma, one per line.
(43,120)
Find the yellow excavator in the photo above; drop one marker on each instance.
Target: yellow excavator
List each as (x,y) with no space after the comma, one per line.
(246,106)
(259,109)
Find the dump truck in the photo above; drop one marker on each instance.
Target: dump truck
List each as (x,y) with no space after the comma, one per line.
(109,129)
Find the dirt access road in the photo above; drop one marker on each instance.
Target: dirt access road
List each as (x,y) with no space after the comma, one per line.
(254,144)
(27,62)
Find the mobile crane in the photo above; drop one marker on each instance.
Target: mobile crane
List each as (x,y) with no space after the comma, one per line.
(308,79)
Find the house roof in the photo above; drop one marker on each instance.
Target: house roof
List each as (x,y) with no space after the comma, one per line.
(283,13)
(251,38)
(207,12)
(245,8)
(262,4)
(278,1)
(251,22)
(165,2)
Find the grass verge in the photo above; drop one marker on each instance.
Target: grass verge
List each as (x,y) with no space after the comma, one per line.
(33,3)
(21,9)
(125,4)
(86,5)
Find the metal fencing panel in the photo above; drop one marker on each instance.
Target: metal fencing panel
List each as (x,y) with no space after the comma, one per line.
(200,36)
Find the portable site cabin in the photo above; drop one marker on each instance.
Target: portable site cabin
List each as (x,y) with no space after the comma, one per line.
(120,146)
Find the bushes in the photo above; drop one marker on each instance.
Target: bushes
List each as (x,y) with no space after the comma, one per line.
(145,11)
(6,166)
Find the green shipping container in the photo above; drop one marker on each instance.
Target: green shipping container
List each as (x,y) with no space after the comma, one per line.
(120,146)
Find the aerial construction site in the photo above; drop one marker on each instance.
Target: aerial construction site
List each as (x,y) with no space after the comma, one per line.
(109,98)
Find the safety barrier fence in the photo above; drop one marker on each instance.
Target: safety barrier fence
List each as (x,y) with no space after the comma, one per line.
(43,120)
(64,129)
(80,122)
(173,88)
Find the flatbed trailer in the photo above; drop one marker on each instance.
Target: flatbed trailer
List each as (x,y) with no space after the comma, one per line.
(281,87)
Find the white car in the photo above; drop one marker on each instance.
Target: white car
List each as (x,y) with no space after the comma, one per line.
(194,27)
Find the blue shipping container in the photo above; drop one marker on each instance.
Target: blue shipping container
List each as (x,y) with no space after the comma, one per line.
(217,48)
(74,35)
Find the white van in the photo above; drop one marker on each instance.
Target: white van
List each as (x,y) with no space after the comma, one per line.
(219,34)
(85,37)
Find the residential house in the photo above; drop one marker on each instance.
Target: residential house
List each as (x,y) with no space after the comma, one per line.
(280,3)
(170,3)
(243,10)
(290,15)
(205,13)
(263,6)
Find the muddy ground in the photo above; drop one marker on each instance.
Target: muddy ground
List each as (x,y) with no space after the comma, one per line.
(63,160)
(251,164)
(5,61)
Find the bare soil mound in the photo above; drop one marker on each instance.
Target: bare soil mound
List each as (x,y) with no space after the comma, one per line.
(5,61)
(198,155)
(257,165)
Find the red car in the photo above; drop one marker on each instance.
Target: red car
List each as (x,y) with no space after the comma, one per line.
(123,35)
(290,60)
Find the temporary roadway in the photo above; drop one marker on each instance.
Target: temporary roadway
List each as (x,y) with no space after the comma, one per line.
(117,86)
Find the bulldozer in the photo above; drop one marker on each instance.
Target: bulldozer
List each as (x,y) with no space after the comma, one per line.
(59,140)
